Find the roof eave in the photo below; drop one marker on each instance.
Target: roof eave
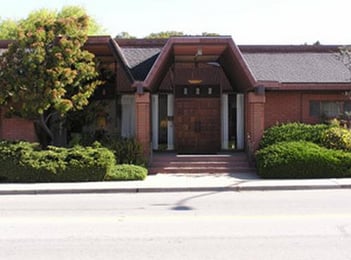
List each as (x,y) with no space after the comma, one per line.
(305,86)
(117,53)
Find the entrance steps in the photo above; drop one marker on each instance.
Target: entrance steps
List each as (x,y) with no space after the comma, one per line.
(228,163)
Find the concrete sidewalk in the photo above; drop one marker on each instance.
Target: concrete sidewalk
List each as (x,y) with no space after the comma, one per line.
(177,183)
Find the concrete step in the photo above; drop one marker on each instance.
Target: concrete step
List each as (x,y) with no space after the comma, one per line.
(219,163)
(201,170)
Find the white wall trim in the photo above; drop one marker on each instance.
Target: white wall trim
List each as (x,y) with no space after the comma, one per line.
(240,122)
(224,121)
(155,121)
(128,116)
(170,126)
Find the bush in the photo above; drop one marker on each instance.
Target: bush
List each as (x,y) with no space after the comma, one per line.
(302,160)
(126,172)
(293,132)
(126,150)
(337,138)
(25,162)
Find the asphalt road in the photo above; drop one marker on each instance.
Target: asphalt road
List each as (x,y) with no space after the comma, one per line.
(218,225)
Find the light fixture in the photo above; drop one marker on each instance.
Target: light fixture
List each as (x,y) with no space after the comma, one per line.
(194,80)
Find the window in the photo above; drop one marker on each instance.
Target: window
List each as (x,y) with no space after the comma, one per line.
(347,107)
(190,91)
(329,109)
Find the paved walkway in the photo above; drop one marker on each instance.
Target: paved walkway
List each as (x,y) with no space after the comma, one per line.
(178,183)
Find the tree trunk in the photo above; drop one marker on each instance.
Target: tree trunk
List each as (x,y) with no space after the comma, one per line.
(43,132)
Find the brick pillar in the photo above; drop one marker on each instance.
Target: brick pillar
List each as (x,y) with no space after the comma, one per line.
(142,111)
(255,120)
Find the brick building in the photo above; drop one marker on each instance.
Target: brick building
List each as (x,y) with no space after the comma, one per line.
(206,94)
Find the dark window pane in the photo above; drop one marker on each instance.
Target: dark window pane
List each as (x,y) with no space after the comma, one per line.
(163,121)
(331,109)
(347,106)
(314,108)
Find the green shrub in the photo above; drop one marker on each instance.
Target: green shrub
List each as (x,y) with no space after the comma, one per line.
(338,138)
(25,162)
(126,150)
(302,160)
(126,172)
(11,160)
(293,132)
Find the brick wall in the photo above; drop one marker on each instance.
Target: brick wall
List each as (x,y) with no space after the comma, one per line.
(306,118)
(17,129)
(282,107)
(255,115)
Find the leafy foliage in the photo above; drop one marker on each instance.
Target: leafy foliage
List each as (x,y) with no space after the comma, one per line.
(26,162)
(9,27)
(126,150)
(165,34)
(338,138)
(46,70)
(169,34)
(293,132)
(126,172)
(302,160)
(125,35)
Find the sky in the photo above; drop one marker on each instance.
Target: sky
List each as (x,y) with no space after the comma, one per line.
(247,21)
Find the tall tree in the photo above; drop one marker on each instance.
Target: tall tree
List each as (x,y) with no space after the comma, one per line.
(125,35)
(207,34)
(168,34)
(9,27)
(45,72)
(94,28)
(165,34)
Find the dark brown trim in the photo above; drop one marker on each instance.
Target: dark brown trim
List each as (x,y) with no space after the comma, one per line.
(288,48)
(231,60)
(117,53)
(315,86)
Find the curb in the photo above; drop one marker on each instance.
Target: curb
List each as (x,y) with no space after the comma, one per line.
(236,188)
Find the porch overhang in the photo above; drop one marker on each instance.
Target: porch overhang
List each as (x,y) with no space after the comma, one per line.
(216,51)
(99,45)
(107,51)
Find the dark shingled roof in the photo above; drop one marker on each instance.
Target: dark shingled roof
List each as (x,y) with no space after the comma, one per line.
(286,64)
(140,60)
(281,63)
(136,56)
(298,64)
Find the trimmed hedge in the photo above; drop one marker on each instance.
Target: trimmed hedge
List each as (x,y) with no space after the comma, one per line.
(126,172)
(290,160)
(293,132)
(25,162)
